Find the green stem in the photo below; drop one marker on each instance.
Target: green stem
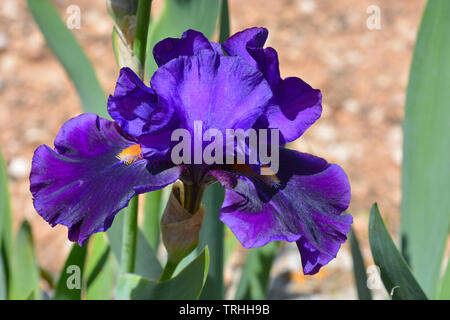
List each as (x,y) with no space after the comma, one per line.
(130,229)
(131,216)
(143,19)
(168,271)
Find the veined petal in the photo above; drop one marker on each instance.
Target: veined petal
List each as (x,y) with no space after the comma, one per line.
(305,206)
(91,175)
(223,92)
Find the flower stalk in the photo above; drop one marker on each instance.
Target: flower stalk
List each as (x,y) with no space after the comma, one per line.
(140,41)
(129,237)
(131,218)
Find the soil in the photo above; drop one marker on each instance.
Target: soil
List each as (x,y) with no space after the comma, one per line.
(362,73)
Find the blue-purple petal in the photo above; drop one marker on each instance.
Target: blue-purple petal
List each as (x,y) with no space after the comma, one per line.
(305,207)
(238,43)
(295,105)
(295,108)
(134,106)
(190,43)
(81,184)
(223,92)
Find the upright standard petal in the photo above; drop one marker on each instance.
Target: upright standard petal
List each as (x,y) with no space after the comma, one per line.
(304,205)
(295,105)
(238,43)
(222,92)
(134,106)
(91,175)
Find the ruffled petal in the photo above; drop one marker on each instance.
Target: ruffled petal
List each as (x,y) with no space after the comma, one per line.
(82,184)
(190,43)
(132,104)
(134,107)
(238,43)
(217,47)
(303,205)
(295,105)
(223,92)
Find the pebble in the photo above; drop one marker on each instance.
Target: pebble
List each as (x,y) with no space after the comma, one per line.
(395,137)
(340,152)
(10,9)
(8,63)
(351,105)
(36,135)
(376,115)
(19,168)
(397,156)
(4,40)
(353,58)
(325,132)
(307,6)
(36,46)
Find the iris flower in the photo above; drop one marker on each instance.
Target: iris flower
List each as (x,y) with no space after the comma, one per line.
(98,165)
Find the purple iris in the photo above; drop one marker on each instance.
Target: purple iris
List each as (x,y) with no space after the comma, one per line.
(98,165)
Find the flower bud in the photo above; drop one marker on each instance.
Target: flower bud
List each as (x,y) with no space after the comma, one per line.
(179,228)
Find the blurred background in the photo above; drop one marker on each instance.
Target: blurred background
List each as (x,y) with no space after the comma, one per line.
(362,73)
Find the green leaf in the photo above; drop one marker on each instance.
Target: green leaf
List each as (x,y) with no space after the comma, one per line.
(146,264)
(24,267)
(444,292)
(212,235)
(395,273)
(69,53)
(426,149)
(224,22)
(101,269)
(102,258)
(359,268)
(254,281)
(151,225)
(176,17)
(3,280)
(5,230)
(187,285)
(69,286)
(141,33)
(129,237)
